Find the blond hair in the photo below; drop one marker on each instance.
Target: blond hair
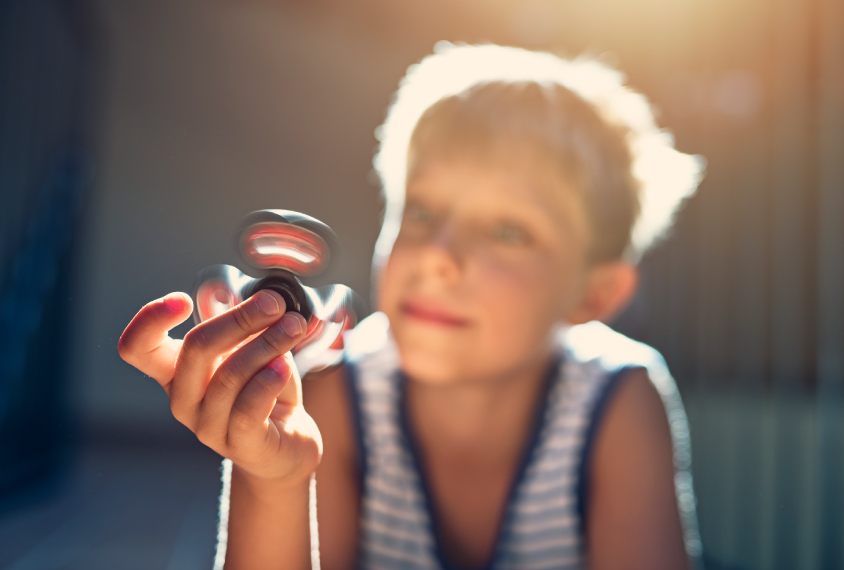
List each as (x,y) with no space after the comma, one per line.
(633,175)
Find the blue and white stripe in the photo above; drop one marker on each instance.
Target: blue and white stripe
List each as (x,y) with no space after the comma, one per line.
(543,521)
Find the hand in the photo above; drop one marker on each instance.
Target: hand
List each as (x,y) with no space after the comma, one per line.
(232,381)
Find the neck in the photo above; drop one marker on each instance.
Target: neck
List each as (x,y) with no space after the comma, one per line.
(460,415)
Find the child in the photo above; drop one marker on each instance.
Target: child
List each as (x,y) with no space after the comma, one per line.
(471,424)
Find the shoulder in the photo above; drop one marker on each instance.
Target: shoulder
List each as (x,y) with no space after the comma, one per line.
(371,358)
(368,346)
(631,503)
(596,342)
(326,399)
(629,419)
(329,396)
(618,357)
(634,419)
(370,338)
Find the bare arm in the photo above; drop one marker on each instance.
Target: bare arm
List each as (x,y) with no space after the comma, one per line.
(632,516)
(268,524)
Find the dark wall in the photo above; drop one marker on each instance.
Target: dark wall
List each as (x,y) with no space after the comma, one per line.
(48,73)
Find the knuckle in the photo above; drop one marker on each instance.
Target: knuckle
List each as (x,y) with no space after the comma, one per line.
(236,445)
(194,343)
(269,344)
(204,433)
(241,418)
(242,318)
(276,338)
(201,432)
(228,375)
(178,413)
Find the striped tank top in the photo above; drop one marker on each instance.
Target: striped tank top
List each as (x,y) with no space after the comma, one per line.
(542,527)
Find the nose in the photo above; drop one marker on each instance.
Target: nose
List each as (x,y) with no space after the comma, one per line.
(444,254)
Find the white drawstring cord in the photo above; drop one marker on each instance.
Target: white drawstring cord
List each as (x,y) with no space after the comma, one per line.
(314,525)
(223,523)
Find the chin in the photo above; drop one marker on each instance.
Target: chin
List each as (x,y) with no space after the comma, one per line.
(431,366)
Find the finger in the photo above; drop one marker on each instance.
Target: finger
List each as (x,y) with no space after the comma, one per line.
(239,368)
(291,394)
(206,343)
(145,343)
(247,429)
(246,341)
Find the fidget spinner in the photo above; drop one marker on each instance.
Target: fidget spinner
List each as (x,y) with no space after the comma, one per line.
(296,256)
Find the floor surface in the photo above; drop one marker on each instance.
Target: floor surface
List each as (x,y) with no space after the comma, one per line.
(120,507)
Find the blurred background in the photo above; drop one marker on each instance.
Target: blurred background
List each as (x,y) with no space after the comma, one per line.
(134,134)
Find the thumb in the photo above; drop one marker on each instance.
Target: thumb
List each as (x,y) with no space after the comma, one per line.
(145,343)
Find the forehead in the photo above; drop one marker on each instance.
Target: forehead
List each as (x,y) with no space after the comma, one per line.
(517,180)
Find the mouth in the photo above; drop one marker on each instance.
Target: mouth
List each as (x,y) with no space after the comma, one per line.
(432,315)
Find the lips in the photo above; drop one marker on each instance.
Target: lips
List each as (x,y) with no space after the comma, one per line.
(432,314)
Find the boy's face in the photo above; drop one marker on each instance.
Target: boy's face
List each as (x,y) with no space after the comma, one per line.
(491,255)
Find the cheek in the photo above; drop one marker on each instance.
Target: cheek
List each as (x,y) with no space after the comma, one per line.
(392,278)
(520,301)
(531,296)
(518,277)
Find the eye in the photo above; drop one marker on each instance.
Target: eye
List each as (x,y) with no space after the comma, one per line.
(418,214)
(509,234)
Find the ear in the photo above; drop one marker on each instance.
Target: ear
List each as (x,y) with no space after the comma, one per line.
(609,287)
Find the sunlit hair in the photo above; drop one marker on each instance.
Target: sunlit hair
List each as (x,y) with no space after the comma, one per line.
(600,133)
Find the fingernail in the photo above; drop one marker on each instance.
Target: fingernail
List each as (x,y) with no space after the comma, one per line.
(279,366)
(267,304)
(291,325)
(175,302)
